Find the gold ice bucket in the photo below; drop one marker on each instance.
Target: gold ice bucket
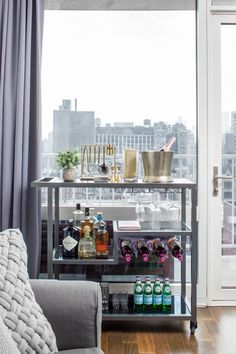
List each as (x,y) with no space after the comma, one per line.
(157,166)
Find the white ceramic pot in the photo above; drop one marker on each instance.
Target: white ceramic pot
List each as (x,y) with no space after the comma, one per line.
(69,174)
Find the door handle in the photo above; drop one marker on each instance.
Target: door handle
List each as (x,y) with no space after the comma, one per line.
(216,179)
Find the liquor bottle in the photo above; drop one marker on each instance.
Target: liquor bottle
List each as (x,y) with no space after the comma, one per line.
(169,144)
(87,244)
(78,217)
(138,295)
(157,295)
(159,249)
(166,295)
(175,248)
(126,250)
(102,239)
(92,216)
(143,250)
(96,224)
(147,295)
(70,240)
(87,222)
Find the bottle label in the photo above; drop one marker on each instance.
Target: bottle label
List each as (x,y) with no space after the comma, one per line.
(148,289)
(69,243)
(88,228)
(101,247)
(86,248)
(166,299)
(147,299)
(138,299)
(157,299)
(157,289)
(138,288)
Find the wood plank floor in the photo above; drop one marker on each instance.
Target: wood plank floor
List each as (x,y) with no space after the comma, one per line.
(216,334)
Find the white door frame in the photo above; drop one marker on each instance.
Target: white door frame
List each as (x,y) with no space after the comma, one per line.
(216,295)
(202,107)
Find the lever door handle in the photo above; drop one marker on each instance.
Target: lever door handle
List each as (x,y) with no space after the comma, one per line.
(215,180)
(223,177)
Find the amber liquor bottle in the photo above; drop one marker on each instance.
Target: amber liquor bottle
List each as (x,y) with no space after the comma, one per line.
(102,239)
(78,217)
(87,222)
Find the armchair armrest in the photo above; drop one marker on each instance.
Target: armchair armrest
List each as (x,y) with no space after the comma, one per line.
(74,310)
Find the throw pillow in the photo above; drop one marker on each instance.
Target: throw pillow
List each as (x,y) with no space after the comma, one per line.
(19,310)
(7,344)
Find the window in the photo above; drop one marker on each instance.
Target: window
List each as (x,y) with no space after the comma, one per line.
(121,77)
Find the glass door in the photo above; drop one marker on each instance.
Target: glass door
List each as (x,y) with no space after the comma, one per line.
(222,159)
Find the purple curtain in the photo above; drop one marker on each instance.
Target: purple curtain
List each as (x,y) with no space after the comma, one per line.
(21,28)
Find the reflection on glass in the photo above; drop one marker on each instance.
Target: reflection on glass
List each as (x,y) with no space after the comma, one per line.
(228,119)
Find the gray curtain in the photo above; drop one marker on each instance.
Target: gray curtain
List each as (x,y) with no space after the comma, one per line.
(21,26)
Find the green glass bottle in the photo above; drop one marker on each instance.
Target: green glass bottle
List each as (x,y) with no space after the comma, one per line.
(157,295)
(166,296)
(147,295)
(138,295)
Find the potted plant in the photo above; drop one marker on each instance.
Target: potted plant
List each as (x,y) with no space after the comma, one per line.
(68,161)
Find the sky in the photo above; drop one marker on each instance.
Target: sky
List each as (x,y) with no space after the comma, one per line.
(228,65)
(126,66)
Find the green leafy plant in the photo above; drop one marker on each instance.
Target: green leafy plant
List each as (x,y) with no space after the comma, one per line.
(68,159)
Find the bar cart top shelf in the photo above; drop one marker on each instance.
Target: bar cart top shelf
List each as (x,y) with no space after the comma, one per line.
(163,228)
(56,182)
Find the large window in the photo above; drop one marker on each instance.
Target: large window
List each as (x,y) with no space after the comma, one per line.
(126,78)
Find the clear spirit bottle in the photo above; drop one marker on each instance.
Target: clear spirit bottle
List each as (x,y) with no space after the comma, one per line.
(87,244)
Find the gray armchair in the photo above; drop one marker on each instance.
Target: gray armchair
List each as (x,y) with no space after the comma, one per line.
(74,310)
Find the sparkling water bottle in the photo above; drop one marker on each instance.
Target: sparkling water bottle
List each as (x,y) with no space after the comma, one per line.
(138,295)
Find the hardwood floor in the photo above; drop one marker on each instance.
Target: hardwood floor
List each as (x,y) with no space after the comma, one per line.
(216,334)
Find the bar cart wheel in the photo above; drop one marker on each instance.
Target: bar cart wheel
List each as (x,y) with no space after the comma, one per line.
(193,326)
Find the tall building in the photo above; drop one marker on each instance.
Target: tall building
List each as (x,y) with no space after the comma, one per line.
(229,136)
(160,132)
(225,122)
(233,122)
(97,122)
(72,128)
(229,143)
(185,143)
(47,144)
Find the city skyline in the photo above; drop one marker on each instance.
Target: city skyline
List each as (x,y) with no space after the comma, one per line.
(228,128)
(73,128)
(73,107)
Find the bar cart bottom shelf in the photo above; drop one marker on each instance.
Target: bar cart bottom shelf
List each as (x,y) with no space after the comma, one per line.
(180,310)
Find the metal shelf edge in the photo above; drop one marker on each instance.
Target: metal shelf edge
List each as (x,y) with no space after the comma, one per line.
(78,261)
(58,183)
(119,316)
